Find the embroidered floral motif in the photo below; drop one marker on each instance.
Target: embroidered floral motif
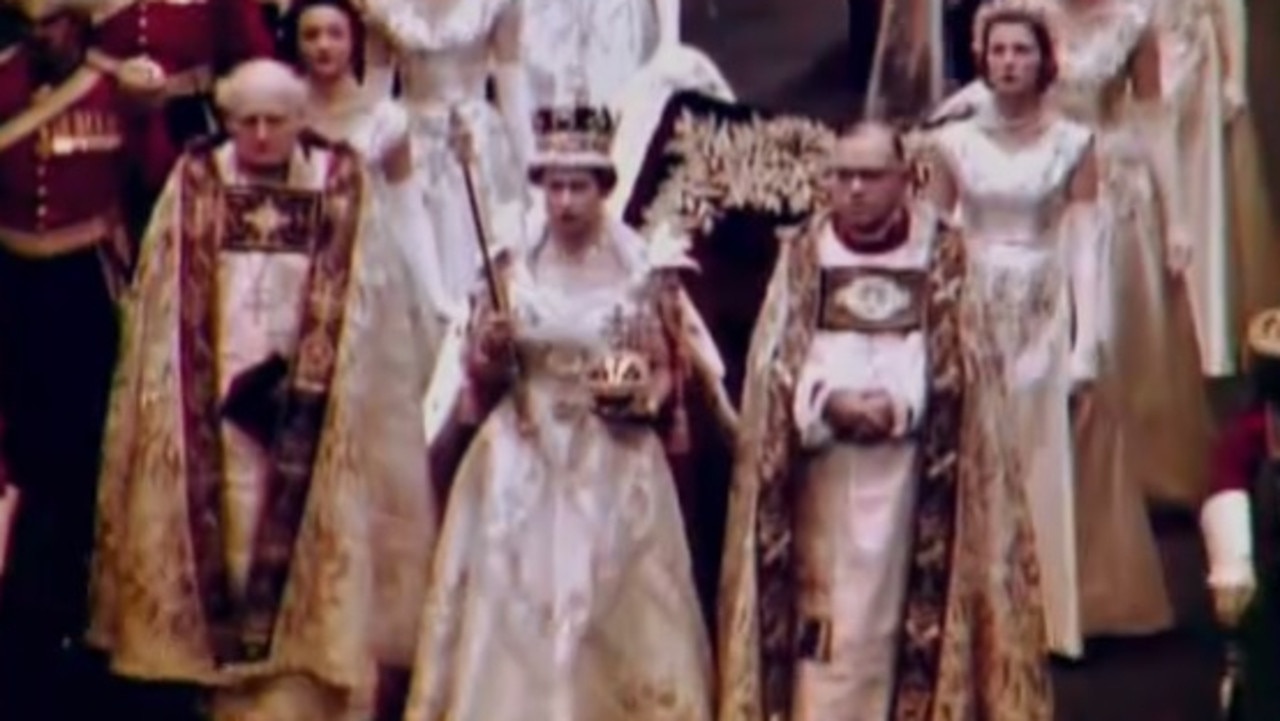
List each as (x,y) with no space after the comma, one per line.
(762,164)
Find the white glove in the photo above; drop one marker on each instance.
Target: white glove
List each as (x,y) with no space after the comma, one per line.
(1228,538)
(1234,101)
(1083,367)
(1179,252)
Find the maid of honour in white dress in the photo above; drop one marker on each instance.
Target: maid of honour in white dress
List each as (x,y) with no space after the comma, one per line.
(1150,389)
(341,110)
(1144,436)
(449,50)
(1029,258)
(1195,59)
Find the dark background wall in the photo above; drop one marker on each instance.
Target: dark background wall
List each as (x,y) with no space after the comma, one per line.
(784,54)
(1264,59)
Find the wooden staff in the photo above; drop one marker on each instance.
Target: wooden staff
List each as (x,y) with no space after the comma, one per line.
(463,145)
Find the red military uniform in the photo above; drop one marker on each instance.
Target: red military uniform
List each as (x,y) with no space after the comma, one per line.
(1242,529)
(1239,452)
(192,41)
(63,150)
(62,160)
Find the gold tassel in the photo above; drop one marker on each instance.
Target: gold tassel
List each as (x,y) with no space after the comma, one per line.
(671,323)
(678,441)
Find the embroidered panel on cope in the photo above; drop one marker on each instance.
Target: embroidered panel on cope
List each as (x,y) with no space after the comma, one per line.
(216,218)
(736,176)
(934,521)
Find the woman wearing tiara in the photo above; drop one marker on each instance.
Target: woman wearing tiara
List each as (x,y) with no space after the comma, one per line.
(1142,434)
(1024,180)
(449,51)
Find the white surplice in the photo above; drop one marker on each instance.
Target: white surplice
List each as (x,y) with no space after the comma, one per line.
(855,505)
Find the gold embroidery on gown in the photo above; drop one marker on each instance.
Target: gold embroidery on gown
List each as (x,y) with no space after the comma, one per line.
(562,586)
(1012,206)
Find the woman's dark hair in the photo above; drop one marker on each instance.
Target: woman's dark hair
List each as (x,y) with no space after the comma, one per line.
(606,178)
(291,25)
(1048,72)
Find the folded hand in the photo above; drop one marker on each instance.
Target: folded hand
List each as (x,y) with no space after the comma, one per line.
(1234,102)
(861,416)
(1231,600)
(1179,252)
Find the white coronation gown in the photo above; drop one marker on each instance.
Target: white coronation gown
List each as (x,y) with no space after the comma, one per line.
(1011,204)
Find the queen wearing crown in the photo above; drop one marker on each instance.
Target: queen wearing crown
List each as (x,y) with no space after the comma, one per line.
(562,585)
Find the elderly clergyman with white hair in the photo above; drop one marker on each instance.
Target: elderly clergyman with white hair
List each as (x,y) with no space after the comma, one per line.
(265,516)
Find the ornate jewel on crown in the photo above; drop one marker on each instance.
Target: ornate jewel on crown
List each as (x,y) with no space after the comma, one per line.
(577,136)
(576,133)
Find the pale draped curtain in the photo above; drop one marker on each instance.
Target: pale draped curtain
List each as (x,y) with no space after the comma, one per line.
(907,73)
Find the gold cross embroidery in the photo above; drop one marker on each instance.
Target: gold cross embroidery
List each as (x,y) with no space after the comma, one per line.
(265,220)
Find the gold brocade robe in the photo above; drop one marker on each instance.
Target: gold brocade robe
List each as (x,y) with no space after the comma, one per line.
(284,572)
(972,626)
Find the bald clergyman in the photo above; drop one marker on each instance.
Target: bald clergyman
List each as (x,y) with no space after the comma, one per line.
(879,556)
(265,464)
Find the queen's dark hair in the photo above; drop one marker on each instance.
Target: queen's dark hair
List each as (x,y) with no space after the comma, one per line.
(606,178)
(1048,73)
(291,25)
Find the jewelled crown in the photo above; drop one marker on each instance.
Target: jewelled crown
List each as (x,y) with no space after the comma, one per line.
(577,136)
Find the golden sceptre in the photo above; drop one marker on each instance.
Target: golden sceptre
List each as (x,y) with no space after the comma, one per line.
(463,145)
